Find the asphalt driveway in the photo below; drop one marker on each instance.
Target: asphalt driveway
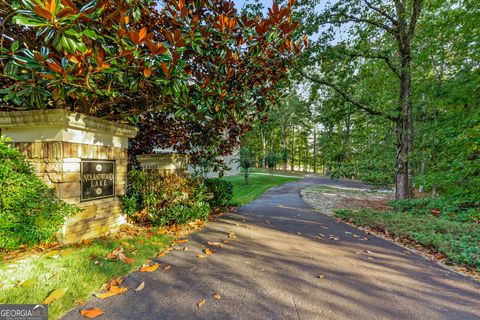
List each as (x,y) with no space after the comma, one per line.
(284,260)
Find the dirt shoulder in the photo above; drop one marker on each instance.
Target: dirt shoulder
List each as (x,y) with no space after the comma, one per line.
(327,199)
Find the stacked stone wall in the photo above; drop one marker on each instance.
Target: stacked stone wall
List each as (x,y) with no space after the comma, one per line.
(57,163)
(64,139)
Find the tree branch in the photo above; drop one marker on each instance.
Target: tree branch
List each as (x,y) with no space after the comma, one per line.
(417,7)
(374,56)
(342,93)
(351,18)
(381,12)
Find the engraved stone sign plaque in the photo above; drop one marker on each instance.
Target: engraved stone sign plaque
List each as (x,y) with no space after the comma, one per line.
(97,179)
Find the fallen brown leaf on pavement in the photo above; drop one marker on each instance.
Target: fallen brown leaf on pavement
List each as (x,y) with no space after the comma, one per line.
(181,241)
(226,242)
(200,303)
(151,268)
(166,268)
(115,282)
(215,244)
(217,296)
(201,256)
(114,290)
(440,256)
(164,252)
(92,313)
(140,286)
(232,235)
(208,252)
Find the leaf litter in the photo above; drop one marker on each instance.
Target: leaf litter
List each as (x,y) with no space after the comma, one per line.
(92,313)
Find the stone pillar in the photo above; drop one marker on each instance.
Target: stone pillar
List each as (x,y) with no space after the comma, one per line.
(82,157)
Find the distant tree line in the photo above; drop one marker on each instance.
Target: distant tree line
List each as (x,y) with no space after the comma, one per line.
(393,98)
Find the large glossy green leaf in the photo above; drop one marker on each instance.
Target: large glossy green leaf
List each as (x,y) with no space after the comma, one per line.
(29,22)
(89,5)
(15,46)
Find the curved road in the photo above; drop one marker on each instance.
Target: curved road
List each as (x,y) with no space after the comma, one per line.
(280,267)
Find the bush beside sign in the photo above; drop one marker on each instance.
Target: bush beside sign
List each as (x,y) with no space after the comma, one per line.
(84,159)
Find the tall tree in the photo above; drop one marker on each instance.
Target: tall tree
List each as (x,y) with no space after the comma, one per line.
(199,63)
(376,30)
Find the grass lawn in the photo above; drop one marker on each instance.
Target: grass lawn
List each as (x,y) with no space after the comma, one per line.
(279,171)
(455,241)
(257,185)
(82,270)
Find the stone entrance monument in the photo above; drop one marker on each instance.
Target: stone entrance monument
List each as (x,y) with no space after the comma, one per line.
(84,158)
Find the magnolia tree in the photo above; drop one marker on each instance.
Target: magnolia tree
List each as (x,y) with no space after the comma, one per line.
(193,75)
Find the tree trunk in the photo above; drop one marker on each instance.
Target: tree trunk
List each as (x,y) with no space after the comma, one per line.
(263,133)
(347,138)
(300,153)
(423,168)
(402,183)
(284,147)
(404,129)
(314,150)
(306,164)
(292,158)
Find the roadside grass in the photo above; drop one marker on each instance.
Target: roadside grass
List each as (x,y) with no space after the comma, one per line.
(81,269)
(278,171)
(327,189)
(456,242)
(257,185)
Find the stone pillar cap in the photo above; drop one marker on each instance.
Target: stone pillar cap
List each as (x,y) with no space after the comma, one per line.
(65,118)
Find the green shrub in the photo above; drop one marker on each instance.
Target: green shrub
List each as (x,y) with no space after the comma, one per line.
(221,190)
(29,212)
(182,214)
(448,208)
(163,198)
(457,240)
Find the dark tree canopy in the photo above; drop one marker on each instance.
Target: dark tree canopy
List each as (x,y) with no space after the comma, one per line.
(200,61)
